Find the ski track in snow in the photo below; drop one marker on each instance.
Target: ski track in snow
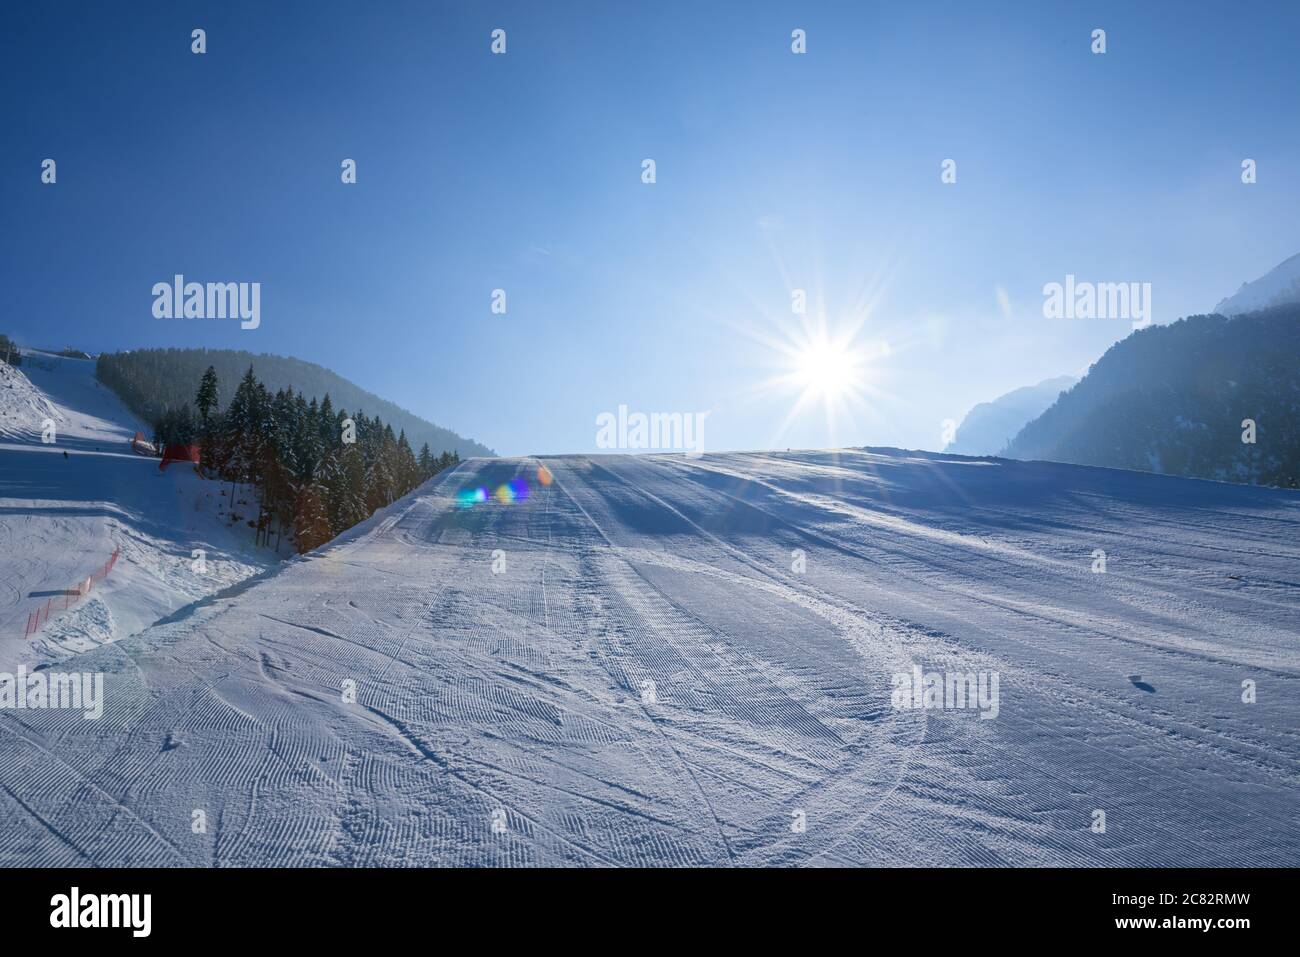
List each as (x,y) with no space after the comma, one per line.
(65,506)
(520,698)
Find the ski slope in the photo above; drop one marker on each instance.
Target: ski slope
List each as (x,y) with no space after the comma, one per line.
(67,504)
(501,657)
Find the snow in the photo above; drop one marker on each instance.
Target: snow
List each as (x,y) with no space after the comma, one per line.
(23,407)
(62,517)
(1278,286)
(403,697)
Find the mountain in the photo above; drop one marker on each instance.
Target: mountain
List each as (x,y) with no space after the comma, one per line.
(1173,399)
(1278,287)
(989,426)
(153,380)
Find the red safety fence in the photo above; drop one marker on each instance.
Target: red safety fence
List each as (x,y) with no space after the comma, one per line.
(41,615)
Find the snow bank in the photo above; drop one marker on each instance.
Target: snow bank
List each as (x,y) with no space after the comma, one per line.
(65,507)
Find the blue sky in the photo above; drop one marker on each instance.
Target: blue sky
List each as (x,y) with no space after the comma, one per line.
(523,172)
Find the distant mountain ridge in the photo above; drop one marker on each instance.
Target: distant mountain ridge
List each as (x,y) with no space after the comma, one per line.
(153,380)
(1173,399)
(1279,286)
(989,426)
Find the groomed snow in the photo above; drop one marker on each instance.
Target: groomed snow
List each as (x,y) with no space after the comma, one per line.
(505,718)
(65,507)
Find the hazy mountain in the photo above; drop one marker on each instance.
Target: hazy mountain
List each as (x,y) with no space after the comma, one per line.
(1173,399)
(989,426)
(152,380)
(1276,288)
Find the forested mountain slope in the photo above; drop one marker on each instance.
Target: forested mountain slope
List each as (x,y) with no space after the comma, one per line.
(1173,399)
(151,381)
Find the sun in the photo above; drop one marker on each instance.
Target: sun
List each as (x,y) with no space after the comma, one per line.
(835,368)
(836,372)
(827,370)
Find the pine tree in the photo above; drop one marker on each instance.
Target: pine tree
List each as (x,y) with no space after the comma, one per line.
(329,437)
(237,438)
(286,429)
(207,399)
(345,484)
(379,485)
(407,469)
(339,420)
(312,522)
(311,447)
(175,427)
(303,448)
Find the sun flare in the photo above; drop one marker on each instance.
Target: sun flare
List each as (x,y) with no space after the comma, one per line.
(832,372)
(827,370)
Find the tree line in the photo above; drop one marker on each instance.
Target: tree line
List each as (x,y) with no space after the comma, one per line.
(1177,398)
(316,471)
(150,381)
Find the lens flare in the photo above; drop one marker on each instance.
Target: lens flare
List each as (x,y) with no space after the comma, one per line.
(543,475)
(516,490)
(469,497)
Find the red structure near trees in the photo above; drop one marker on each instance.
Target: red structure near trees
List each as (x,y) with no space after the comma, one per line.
(140,446)
(179,453)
